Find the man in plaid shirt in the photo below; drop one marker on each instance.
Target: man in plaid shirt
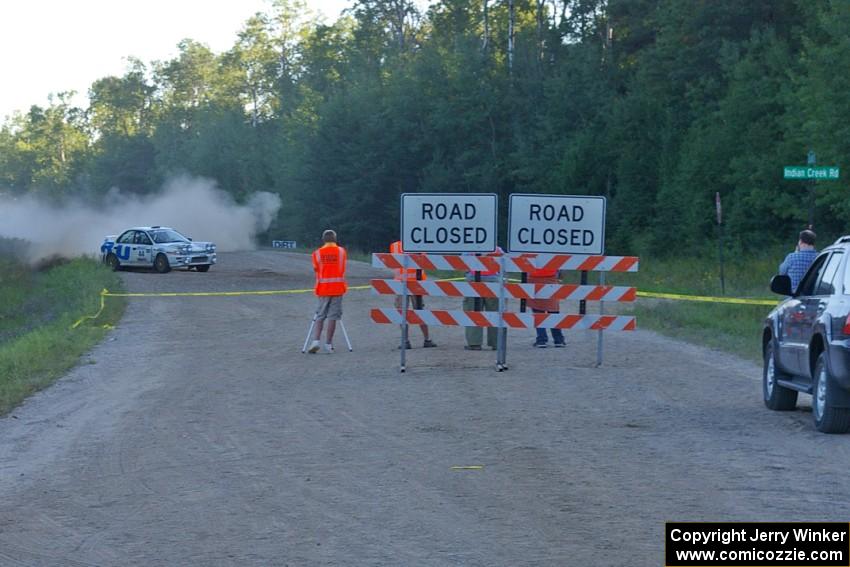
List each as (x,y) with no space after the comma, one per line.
(797,263)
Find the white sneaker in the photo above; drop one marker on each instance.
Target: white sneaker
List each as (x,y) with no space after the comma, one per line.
(329,348)
(314,347)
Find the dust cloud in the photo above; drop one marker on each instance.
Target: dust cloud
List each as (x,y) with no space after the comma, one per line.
(193,206)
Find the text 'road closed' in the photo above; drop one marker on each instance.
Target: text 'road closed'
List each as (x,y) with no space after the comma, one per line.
(454,222)
(560,224)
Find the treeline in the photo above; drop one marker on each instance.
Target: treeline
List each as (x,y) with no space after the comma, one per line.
(656,104)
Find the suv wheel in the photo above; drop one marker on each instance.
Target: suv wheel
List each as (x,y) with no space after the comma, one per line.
(776,397)
(828,419)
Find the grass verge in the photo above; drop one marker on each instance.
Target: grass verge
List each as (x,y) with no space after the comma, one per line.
(37,309)
(731,328)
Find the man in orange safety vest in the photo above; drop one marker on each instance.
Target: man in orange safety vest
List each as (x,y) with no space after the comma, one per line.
(416,301)
(329,264)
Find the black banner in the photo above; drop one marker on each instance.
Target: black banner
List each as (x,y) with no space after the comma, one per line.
(768,544)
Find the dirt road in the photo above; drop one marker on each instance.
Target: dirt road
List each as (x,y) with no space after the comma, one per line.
(198,434)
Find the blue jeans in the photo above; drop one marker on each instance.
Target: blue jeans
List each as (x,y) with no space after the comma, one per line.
(557,334)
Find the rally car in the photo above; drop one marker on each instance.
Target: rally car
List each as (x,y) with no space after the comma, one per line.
(159,247)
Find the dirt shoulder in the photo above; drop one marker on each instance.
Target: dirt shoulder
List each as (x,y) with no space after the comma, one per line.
(200,435)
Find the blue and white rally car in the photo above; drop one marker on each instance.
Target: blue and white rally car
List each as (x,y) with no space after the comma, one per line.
(159,247)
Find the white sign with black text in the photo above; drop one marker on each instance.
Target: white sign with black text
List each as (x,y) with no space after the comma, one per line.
(557,224)
(448,222)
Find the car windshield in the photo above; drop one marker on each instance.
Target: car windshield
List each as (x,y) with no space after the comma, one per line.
(167,235)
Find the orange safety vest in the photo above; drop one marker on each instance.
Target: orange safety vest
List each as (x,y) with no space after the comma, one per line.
(542,276)
(541,273)
(329,264)
(395,248)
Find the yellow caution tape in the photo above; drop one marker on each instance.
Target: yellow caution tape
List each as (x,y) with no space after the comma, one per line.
(651,294)
(103,294)
(236,293)
(707,299)
(223,293)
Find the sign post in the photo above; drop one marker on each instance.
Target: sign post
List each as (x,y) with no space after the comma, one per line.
(811,160)
(811,173)
(720,241)
(502,336)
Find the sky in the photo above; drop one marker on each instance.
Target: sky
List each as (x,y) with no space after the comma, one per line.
(49,46)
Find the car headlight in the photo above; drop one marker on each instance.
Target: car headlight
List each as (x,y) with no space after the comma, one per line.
(210,247)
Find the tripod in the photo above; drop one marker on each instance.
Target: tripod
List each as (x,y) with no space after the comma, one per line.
(310,334)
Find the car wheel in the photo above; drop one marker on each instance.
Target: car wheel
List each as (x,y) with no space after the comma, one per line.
(776,397)
(161,265)
(828,419)
(204,268)
(113,262)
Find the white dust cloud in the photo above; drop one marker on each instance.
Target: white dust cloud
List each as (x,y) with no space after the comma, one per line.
(193,206)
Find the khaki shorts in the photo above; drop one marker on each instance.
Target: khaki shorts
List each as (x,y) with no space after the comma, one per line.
(415,302)
(330,307)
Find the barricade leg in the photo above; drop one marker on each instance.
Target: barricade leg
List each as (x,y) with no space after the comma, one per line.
(404,307)
(599,337)
(502,333)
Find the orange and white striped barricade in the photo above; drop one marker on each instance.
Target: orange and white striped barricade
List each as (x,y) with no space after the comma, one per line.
(442,288)
(513,262)
(503,290)
(564,321)
(583,264)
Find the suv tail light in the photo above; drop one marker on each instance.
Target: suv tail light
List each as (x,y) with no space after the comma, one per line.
(846,330)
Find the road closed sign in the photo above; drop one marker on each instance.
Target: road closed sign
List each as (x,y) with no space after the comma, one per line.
(448,222)
(558,224)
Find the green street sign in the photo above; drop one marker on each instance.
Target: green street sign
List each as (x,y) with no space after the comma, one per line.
(810,172)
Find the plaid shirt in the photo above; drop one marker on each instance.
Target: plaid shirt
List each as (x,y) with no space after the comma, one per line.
(796,264)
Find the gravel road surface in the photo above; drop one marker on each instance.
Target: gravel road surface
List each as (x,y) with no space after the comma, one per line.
(198,434)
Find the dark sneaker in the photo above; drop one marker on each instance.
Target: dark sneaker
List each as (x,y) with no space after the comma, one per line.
(407,346)
(429,344)
(560,344)
(472,347)
(538,344)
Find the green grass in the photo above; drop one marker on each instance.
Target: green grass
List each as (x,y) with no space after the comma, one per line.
(732,328)
(37,309)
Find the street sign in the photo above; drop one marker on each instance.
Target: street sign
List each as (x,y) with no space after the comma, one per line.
(283,244)
(448,222)
(810,172)
(559,224)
